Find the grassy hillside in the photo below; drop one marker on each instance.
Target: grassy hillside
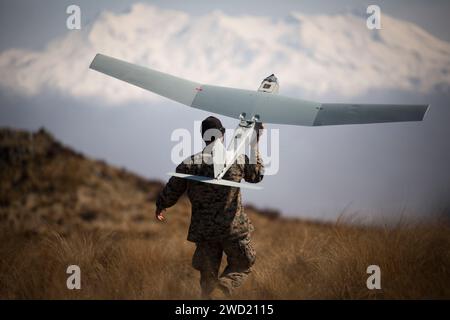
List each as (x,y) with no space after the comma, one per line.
(59,208)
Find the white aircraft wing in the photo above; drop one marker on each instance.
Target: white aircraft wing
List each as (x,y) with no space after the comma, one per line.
(270,108)
(339,113)
(221,182)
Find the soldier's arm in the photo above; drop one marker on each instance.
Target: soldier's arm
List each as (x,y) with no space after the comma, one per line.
(173,190)
(254,167)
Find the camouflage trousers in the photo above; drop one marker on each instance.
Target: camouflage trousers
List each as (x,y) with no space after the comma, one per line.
(208,257)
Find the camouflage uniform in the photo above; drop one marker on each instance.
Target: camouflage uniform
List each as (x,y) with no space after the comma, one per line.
(218,222)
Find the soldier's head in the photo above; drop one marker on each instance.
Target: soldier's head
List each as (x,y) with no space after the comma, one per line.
(212,129)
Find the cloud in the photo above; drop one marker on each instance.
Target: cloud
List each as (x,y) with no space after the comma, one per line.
(314,55)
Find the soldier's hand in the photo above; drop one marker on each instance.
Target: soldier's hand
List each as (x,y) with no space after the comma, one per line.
(259,127)
(159,214)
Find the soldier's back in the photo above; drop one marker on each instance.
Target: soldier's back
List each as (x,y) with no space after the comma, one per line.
(217,211)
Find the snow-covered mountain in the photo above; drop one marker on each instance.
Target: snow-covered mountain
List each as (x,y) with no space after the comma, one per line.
(312,55)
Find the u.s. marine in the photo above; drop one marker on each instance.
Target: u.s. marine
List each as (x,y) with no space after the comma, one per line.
(218,222)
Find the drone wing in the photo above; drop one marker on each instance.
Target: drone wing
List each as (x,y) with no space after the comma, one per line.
(270,108)
(165,85)
(221,182)
(337,113)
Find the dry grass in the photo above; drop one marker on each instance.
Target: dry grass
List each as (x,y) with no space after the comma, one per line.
(296,260)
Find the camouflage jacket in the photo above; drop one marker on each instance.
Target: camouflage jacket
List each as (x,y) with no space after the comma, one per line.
(217,211)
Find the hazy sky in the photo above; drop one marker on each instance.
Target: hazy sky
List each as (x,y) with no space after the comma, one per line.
(376,170)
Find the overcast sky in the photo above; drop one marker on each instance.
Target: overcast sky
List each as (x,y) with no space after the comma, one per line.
(320,50)
(25,23)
